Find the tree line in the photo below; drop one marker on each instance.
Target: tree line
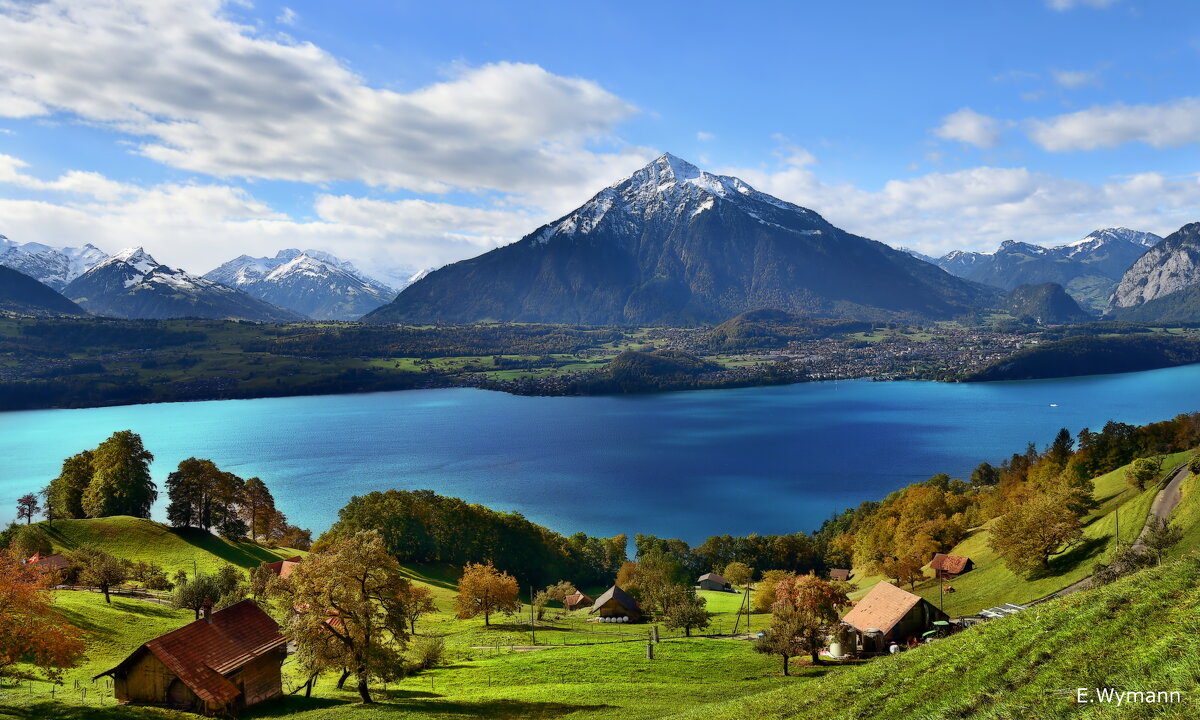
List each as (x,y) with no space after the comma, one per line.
(421,526)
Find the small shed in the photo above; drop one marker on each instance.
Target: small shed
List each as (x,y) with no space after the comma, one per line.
(948,567)
(576,600)
(615,602)
(889,614)
(283,568)
(218,665)
(839,574)
(713,581)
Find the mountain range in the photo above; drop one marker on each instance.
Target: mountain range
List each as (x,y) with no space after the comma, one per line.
(50,266)
(1164,284)
(312,283)
(132,284)
(1089,269)
(674,245)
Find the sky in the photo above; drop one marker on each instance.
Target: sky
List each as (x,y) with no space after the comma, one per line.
(405,135)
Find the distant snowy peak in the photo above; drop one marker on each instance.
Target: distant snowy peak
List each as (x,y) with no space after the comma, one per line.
(311,282)
(49,265)
(1109,237)
(670,189)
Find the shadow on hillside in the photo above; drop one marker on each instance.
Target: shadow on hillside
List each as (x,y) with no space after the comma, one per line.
(292,704)
(48,710)
(1088,550)
(498,708)
(246,555)
(437,576)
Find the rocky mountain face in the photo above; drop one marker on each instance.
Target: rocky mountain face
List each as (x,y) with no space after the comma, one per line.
(132,284)
(1169,267)
(673,245)
(1044,304)
(50,266)
(312,283)
(23,295)
(1089,268)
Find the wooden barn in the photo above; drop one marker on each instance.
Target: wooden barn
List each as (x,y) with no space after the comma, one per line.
(948,567)
(839,574)
(49,563)
(576,600)
(283,568)
(218,665)
(615,602)
(713,581)
(888,614)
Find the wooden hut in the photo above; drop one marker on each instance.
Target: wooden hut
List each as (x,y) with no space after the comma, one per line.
(839,574)
(888,614)
(576,600)
(283,568)
(948,567)
(218,665)
(615,602)
(713,581)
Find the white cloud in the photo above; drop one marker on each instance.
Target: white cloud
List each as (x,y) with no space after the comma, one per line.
(980,207)
(970,127)
(705,136)
(208,95)
(1074,79)
(1170,124)
(286,17)
(1061,5)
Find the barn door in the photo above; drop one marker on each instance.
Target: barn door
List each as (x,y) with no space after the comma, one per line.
(178,695)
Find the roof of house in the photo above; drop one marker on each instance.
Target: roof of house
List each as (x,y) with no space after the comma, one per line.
(202,652)
(839,574)
(575,598)
(49,562)
(283,568)
(881,608)
(949,563)
(714,577)
(623,598)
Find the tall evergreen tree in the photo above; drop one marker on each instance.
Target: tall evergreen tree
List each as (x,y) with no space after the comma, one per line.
(257,507)
(190,490)
(121,483)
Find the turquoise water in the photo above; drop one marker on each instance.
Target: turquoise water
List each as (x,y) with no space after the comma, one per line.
(689,465)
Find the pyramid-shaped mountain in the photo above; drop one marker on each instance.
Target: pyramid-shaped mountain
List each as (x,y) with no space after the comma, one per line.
(673,245)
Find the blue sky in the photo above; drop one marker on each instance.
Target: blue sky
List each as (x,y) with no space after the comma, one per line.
(406,135)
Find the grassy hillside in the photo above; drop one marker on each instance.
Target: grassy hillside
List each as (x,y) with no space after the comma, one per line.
(173,548)
(1137,634)
(991,583)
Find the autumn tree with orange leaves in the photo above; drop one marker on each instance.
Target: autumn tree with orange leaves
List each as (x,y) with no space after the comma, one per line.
(30,630)
(806,610)
(484,590)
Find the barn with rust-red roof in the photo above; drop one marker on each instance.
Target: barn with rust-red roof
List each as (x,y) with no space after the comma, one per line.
(224,662)
(950,566)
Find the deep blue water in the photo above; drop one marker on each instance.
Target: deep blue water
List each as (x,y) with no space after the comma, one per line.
(689,465)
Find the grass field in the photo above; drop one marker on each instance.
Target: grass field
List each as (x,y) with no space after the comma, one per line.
(991,583)
(174,549)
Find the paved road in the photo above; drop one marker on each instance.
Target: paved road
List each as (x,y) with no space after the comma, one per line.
(1162,507)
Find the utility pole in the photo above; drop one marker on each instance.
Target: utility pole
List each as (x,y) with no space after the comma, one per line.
(532,617)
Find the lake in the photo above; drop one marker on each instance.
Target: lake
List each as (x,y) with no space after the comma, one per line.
(688,465)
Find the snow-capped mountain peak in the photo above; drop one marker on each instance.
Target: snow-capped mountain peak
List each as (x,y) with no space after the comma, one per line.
(135,257)
(49,265)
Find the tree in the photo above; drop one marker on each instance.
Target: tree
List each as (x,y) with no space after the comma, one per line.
(193,594)
(808,609)
(257,505)
(190,489)
(420,602)
(1028,535)
(764,594)
(1143,471)
(1160,537)
(348,603)
(30,628)
(120,483)
(29,540)
(783,637)
(738,573)
(99,568)
(47,507)
(485,590)
(66,490)
(560,591)
(683,608)
(27,507)
(984,475)
(227,497)
(1194,464)
(654,575)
